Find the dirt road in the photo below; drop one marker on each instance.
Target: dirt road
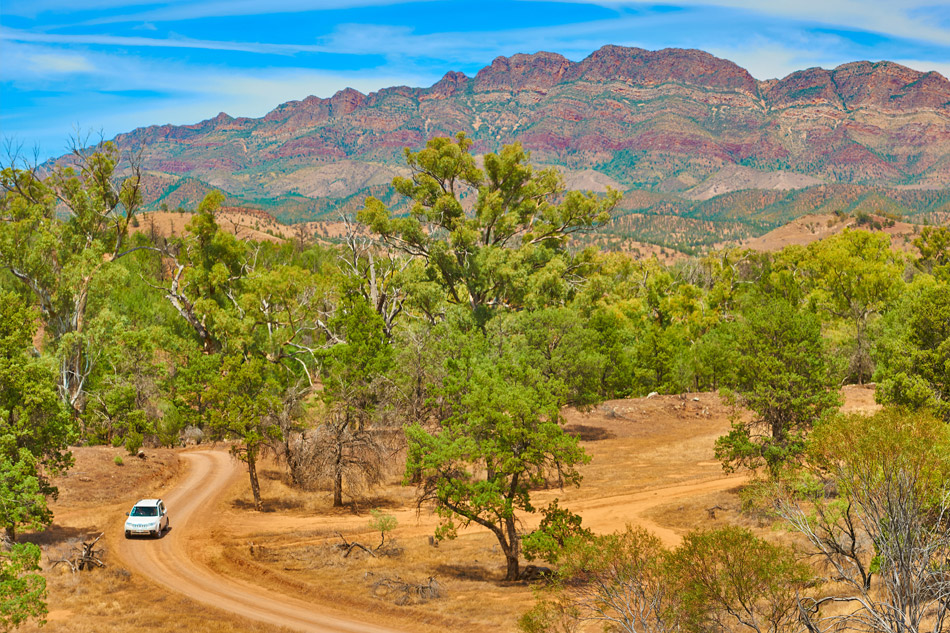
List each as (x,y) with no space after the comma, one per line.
(171,563)
(167,561)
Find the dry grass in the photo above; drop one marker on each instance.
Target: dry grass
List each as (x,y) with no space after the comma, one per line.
(652,464)
(93,498)
(115,600)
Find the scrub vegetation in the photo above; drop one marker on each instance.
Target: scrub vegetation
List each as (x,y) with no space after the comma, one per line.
(448,340)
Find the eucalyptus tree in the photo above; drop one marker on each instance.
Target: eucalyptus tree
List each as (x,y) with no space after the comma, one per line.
(855,276)
(244,402)
(914,354)
(348,447)
(492,237)
(934,247)
(59,231)
(239,300)
(34,428)
(501,438)
(783,377)
(884,537)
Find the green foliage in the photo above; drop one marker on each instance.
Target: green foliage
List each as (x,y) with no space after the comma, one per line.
(718,580)
(243,400)
(914,355)
(34,428)
(118,460)
(855,276)
(501,438)
(934,246)
(618,579)
(57,261)
(885,531)
(558,527)
(868,453)
(783,377)
(383,523)
(468,246)
(22,590)
(728,580)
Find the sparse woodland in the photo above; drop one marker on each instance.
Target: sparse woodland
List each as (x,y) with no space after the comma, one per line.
(445,340)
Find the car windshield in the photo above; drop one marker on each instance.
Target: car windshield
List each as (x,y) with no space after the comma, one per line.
(139,511)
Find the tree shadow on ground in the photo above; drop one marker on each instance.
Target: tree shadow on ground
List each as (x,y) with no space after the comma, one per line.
(363,505)
(587,433)
(270,505)
(272,475)
(58,534)
(467,571)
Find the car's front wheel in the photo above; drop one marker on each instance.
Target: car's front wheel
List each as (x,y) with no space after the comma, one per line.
(128,534)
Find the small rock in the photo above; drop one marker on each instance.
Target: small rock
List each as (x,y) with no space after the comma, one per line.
(140,454)
(652,394)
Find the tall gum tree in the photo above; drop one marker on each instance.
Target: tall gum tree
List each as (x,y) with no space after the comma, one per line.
(58,232)
(855,277)
(483,234)
(34,428)
(782,376)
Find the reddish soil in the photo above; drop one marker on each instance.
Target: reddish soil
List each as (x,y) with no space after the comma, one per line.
(224,567)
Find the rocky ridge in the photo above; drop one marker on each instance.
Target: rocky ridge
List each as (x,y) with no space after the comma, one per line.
(679,122)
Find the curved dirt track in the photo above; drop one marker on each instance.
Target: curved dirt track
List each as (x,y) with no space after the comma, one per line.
(167,561)
(193,505)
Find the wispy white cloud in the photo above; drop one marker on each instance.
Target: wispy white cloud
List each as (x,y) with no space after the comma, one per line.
(33,8)
(162,10)
(925,65)
(123,68)
(15,35)
(898,18)
(108,94)
(56,63)
(177,11)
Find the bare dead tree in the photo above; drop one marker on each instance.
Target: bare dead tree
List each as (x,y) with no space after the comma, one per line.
(84,556)
(885,542)
(403,592)
(342,451)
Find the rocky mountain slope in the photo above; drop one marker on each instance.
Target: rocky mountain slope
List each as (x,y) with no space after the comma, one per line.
(678,123)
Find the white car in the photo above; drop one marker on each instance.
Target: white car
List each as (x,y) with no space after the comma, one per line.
(148,517)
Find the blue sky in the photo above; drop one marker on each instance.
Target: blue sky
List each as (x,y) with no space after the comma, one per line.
(110,66)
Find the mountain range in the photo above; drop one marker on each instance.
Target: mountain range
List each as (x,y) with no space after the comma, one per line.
(693,138)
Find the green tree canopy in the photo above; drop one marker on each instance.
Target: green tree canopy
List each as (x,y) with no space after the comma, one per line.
(489,237)
(34,427)
(855,276)
(782,376)
(502,437)
(22,589)
(730,580)
(915,354)
(57,259)
(243,402)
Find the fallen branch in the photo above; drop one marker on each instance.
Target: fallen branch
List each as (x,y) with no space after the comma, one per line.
(402,592)
(84,557)
(349,547)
